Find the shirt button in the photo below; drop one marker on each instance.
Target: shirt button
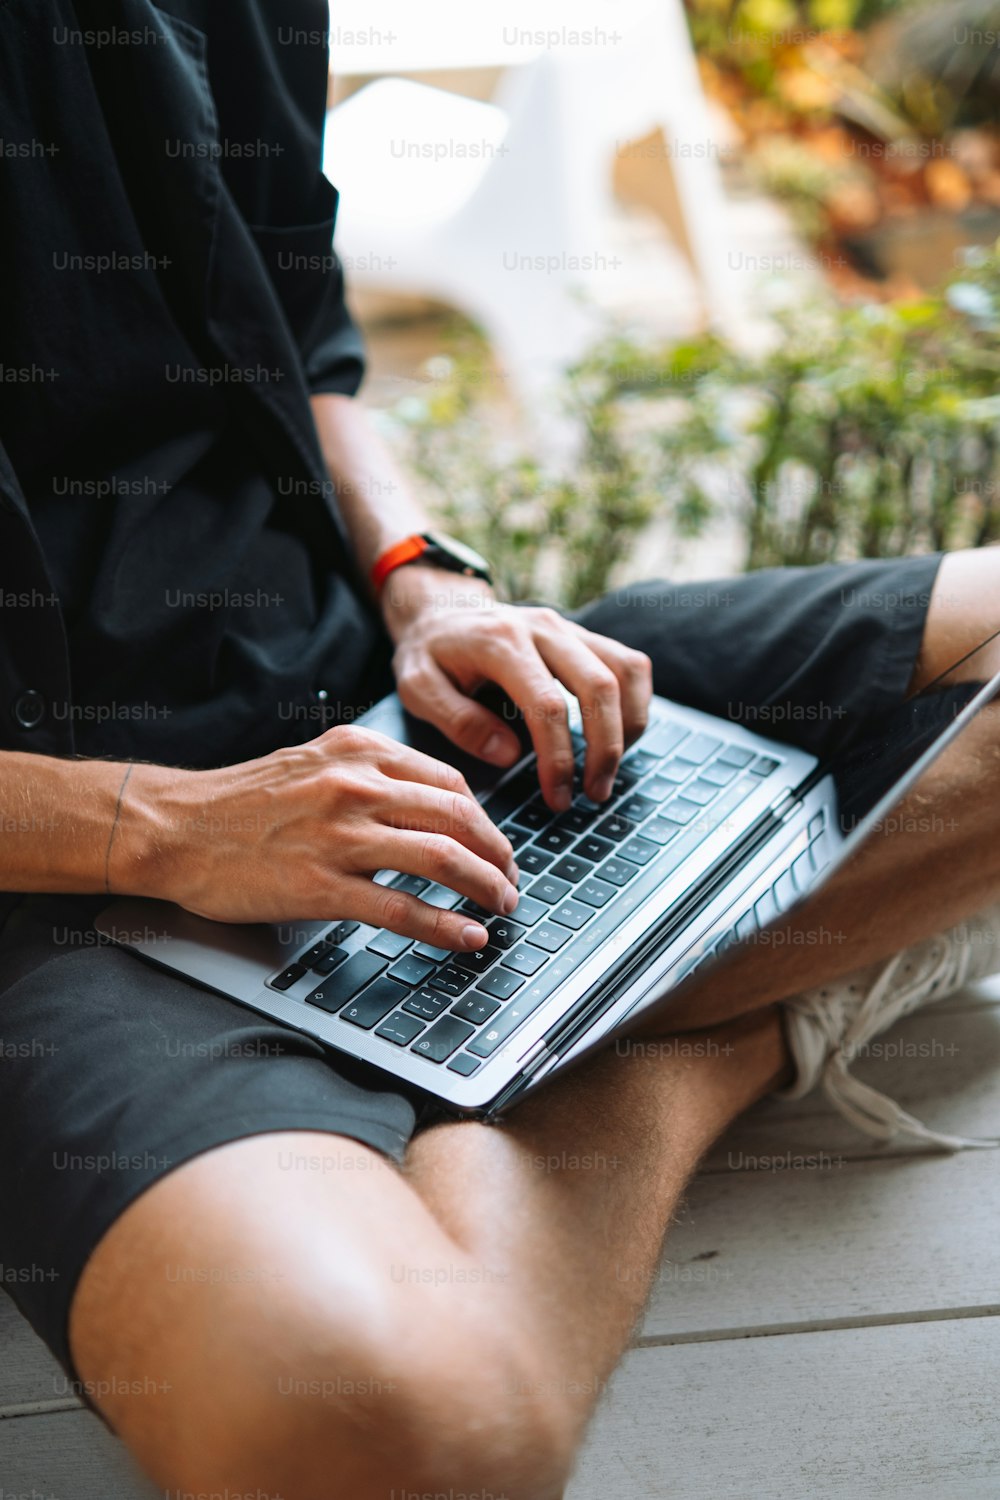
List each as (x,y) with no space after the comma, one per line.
(29,709)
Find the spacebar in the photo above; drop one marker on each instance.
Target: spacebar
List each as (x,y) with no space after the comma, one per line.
(629,898)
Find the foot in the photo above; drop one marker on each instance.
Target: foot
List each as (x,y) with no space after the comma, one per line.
(827,1026)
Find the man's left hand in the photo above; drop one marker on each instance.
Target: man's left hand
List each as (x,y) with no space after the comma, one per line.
(452,635)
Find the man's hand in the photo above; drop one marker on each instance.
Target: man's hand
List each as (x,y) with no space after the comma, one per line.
(300,832)
(452,635)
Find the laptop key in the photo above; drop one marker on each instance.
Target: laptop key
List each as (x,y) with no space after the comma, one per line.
(287,977)
(676,771)
(718,773)
(657,789)
(330,961)
(578,818)
(736,755)
(698,747)
(345,982)
(528,910)
(411,970)
(766,909)
(548,936)
(514,835)
(510,1018)
(571,868)
(443,1038)
(595,893)
(532,861)
(593,848)
(450,981)
(426,1004)
(638,851)
(618,871)
(523,960)
(555,840)
(700,791)
(763,766)
(342,931)
(660,739)
(505,933)
(480,959)
(572,914)
(637,807)
(534,815)
(475,1008)
(802,872)
(425,950)
(615,827)
(549,890)
(464,1064)
(315,953)
(746,927)
(389,944)
(784,891)
(374,1003)
(680,812)
(660,832)
(400,1028)
(639,762)
(414,884)
(440,896)
(501,984)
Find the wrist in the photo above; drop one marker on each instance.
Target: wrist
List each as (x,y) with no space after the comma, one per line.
(417,588)
(150,838)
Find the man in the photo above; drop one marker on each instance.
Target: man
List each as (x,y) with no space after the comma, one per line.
(264,1268)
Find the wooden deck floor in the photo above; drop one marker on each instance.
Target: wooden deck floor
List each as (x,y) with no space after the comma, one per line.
(829,1332)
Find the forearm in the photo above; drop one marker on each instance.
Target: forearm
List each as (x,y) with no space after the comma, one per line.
(374,499)
(68,827)
(379,508)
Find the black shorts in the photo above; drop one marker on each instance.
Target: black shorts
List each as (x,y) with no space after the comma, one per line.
(112,1073)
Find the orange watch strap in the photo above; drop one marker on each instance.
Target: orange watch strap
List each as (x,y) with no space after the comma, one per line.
(395,556)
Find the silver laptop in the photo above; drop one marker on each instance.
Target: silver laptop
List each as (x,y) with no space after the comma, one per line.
(712,836)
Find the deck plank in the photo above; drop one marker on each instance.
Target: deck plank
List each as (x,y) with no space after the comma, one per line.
(865,1241)
(68,1455)
(902,1413)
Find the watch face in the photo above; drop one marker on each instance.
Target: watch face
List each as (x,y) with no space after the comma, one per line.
(465,559)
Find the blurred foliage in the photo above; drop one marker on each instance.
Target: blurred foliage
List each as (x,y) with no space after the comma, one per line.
(871,432)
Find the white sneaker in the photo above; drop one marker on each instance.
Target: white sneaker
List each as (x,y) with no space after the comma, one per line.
(829,1026)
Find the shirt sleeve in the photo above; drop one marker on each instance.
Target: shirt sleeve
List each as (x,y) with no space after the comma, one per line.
(269,72)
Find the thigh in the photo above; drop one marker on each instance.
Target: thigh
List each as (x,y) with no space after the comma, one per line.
(800,654)
(113,1074)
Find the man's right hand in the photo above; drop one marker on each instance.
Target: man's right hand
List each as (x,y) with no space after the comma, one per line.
(300,832)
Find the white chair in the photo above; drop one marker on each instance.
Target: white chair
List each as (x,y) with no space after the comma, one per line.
(501,209)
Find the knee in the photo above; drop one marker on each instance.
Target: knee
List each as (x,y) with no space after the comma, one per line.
(439,1404)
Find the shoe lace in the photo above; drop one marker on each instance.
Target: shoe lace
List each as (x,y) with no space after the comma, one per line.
(867,1108)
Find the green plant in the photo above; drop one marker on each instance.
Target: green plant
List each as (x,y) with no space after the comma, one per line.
(867,432)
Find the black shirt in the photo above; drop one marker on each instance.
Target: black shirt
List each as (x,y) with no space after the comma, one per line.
(174,580)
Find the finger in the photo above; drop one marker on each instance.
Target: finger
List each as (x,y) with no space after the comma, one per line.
(436,857)
(385,906)
(426,691)
(595,685)
(430,810)
(634,672)
(515,664)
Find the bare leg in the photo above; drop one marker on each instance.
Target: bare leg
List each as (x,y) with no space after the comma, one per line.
(446,1328)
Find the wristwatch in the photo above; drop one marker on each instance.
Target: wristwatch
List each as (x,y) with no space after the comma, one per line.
(434,549)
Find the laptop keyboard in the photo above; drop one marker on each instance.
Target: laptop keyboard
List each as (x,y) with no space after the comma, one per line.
(582,873)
